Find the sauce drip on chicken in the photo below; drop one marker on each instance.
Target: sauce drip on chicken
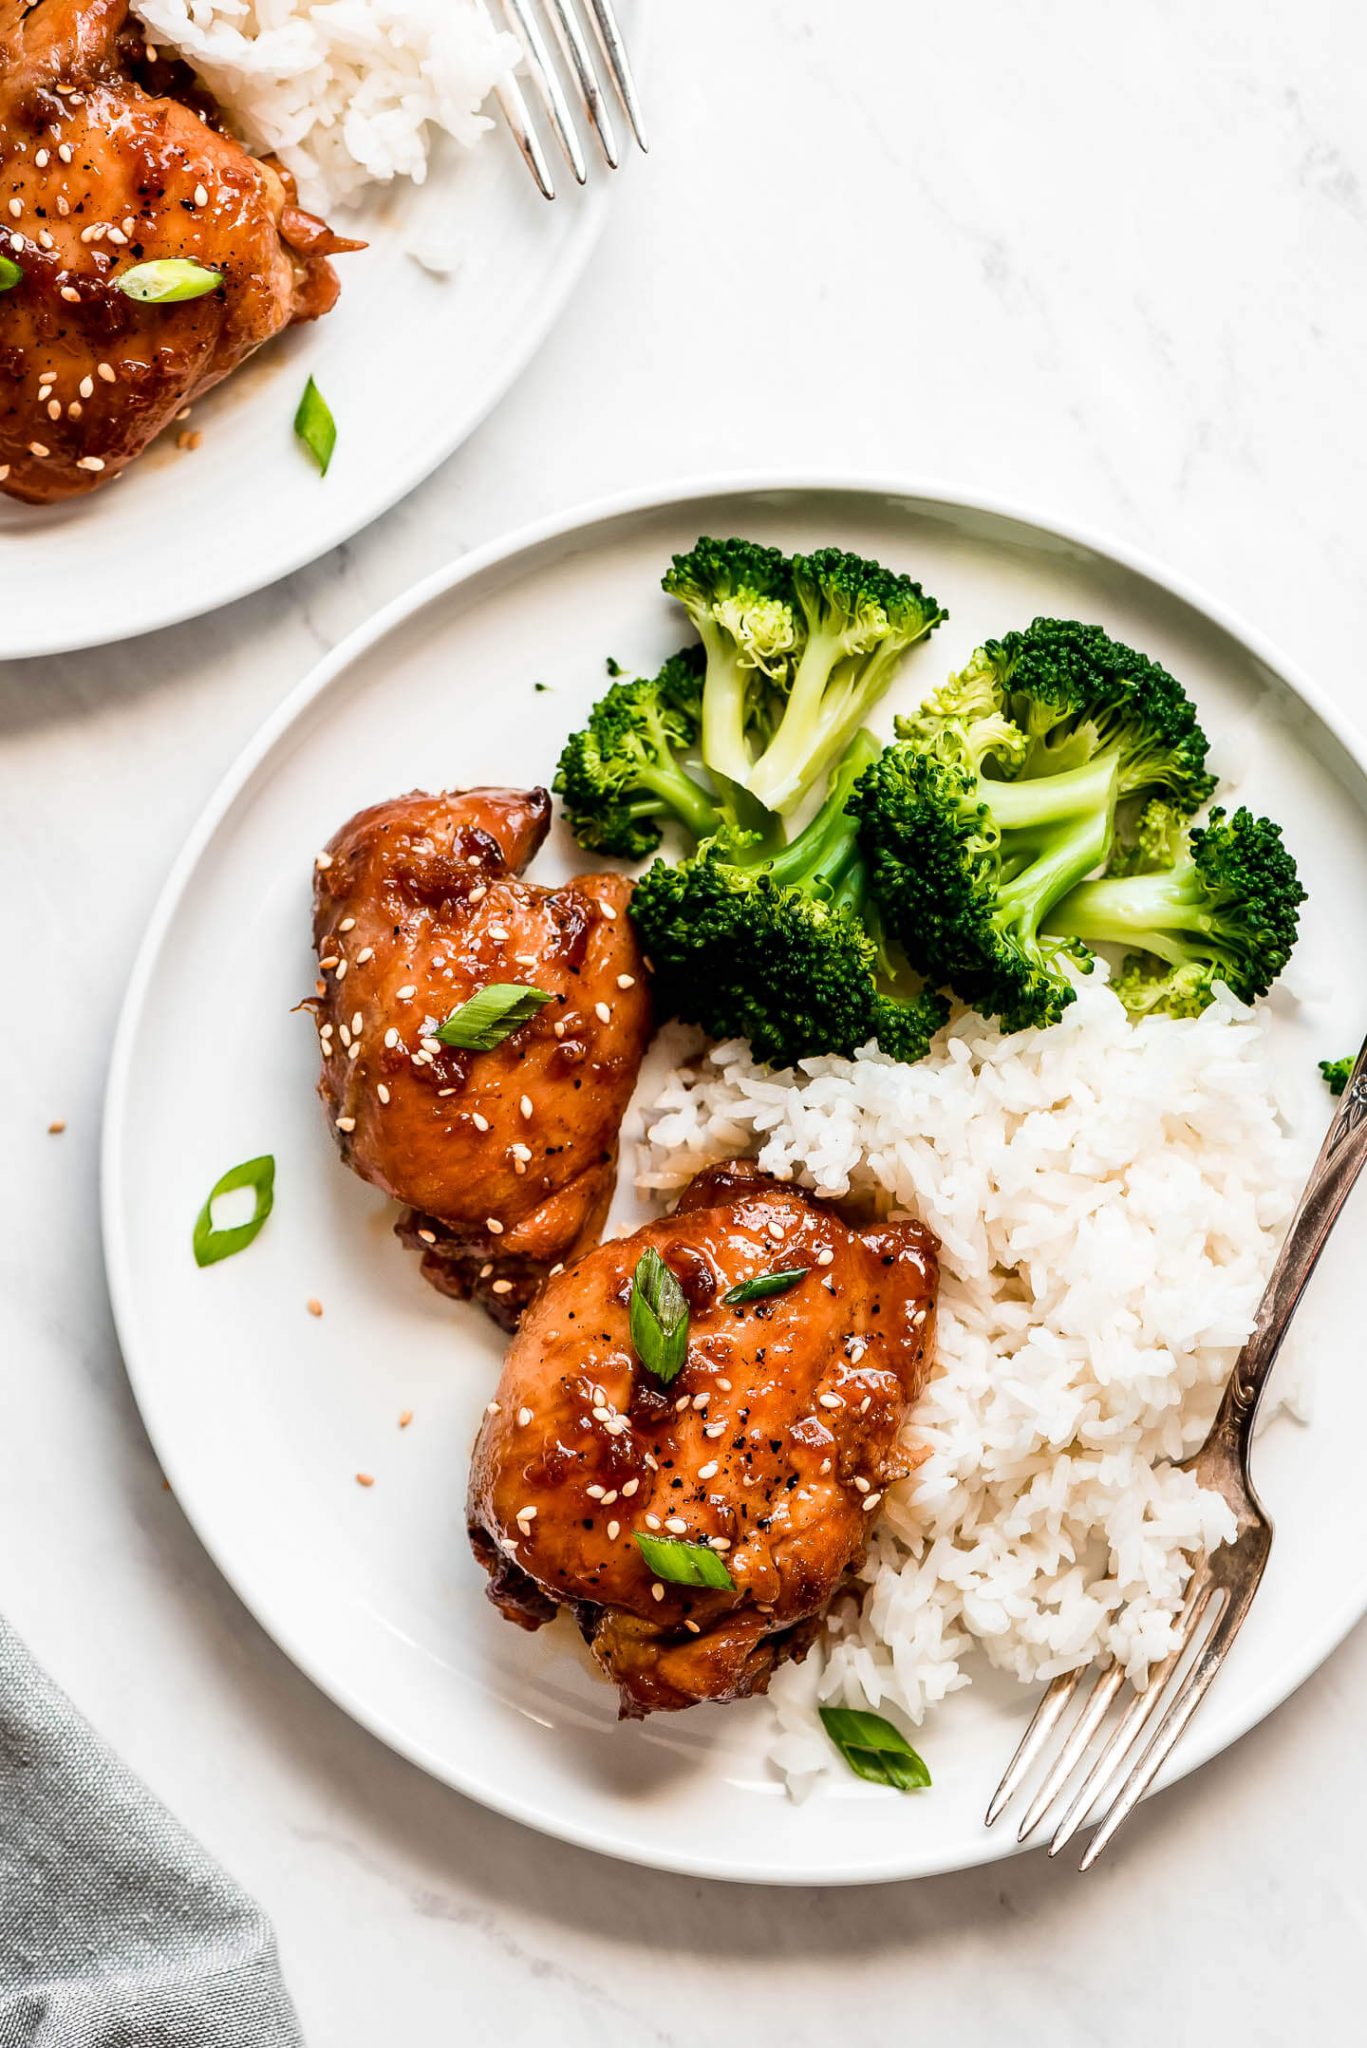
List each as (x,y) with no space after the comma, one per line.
(111,158)
(506,1158)
(772,1447)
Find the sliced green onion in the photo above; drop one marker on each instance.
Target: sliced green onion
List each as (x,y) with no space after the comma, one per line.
(763,1285)
(491,1015)
(658,1315)
(874,1749)
(212,1245)
(316,427)
(684,1564)
(10,273)
(168,279)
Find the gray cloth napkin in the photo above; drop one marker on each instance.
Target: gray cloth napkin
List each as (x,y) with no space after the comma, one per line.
(116,1930)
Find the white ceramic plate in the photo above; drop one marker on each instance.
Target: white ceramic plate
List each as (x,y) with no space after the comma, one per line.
(262,1415)
(410,363)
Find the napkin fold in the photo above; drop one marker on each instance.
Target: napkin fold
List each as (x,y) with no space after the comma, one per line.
(116,1929)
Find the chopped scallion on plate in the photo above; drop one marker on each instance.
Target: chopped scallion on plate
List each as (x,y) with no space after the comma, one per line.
(167,280)
(316,427)
(874,1749)
(212,1244)
(762,1286)
(491,1015)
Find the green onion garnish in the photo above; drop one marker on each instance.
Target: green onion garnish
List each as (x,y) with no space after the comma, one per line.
(658,1316)
(763,1285)
(316,427)
(684,1564)
(491,1015)
(168,279)
(874,1749)
(10,273)
(212,1245)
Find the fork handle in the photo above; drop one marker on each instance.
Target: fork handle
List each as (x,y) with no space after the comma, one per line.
(1341,1159)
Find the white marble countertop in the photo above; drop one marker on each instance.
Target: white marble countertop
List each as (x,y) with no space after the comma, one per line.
(1108,263)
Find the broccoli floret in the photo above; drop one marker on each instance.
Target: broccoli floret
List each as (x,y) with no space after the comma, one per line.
(858,619)
(965,869)
(776,948)
(623,770)
(1227,909)
(1153,844)
(740,598)
(1075,693)
(1337,1072)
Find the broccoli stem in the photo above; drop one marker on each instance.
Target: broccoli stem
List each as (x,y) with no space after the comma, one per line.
(677,792)
(825,847)
(725,706)
(1028,804)
(1146,913)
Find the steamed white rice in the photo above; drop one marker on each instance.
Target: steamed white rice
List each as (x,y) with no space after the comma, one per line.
(1108,1197)
(344,92)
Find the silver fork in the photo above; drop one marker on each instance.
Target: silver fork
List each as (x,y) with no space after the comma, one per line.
(1222,1583)
(529,20)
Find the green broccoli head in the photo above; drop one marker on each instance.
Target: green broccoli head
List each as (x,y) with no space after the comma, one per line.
(740,598)
(964,871)
(777,948)
(858,621)
(1077,693)
(1154,842)
(622,772)
(965,722)
(1226,910)
(1338,1072)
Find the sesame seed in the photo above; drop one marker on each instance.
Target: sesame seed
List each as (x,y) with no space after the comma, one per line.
(485,1270)
(866,1404)
(478,895)
(830,1401)
(692,1626)
(382,1092)
(493,1226)
(614,1531)
(608,912)
(405,1418)
(16,242)
(481,1123)
(16,210)
(861,1483)
(521,1153)
(676,1525)
(357,1020)
(524,1416)
(42,159)
(601,1413)
(90,461)
(626,981)
(117,235)
(559,1029)
(355,1052)
(652,1521)
(502,1287)
(348,924)
(391,1038)
(341,970)
(701,1400)
(527,1513)
(366,952)
(201,196)
(346,1123)
(313,1305)
(129,223)
(629,1488)
(825,1257)
(45,240)
(708,1471)
(657,1591)
(64,152)
(725,1385)
(871,1501)
(37,448)
(365,1479)
(330,962)
(54,408)
(405,994)
(428,1236)
(555,1270)
(595,1493)
(716,1429)
(609,1497)
(75,409)
(681,1404)
(525,1105)
(492,1408)
(431,1046)
(107,372)
(602,1013)
(63,208)
(4,472)
(719,1542)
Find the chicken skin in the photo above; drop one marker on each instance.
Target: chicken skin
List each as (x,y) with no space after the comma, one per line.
(506,1158)
(108,159)
(771,1447)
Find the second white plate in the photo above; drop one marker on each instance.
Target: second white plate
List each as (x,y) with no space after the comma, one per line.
(262,1415)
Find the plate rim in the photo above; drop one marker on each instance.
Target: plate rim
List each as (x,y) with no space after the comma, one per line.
(468,568)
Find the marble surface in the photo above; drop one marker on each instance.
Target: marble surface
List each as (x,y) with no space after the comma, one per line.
(1111,264)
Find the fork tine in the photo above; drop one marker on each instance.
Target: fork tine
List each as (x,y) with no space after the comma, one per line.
(1030,1744)
(1108,1683)
(615,55)
(1138,1709)
(570,35)
(509,96)
(1188,1699)
(541,68)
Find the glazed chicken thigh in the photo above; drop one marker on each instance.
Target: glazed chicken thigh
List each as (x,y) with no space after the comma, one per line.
(505,1157)
(771,1447)
(108,160)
